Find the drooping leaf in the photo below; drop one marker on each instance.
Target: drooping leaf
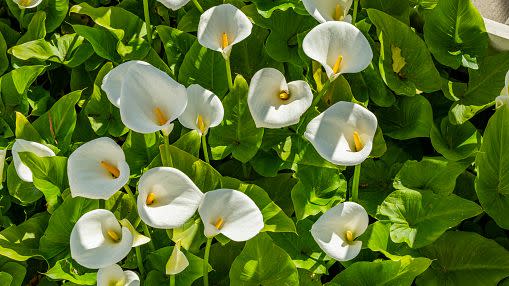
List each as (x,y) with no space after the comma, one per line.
(21,242)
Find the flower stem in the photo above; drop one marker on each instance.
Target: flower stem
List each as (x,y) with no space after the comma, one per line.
(172,280)
(166,159)
(229,74)
(143,225)
(139,260)
(206,262)
(204,146)
(147,21)
(355,7)
(21,16)
(320,94)
(198,6)
(355,183)
(102,204)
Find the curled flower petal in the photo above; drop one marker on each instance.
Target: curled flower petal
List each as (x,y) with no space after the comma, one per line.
(27,4)
(204,110)
(20,146)
(177,262)
(114,275)
(328,10)
(138,238)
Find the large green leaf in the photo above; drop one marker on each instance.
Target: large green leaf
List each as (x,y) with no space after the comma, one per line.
(237,134)
(140,150)
(25,193)
(400,42)
(262,262)
(4,61)
(455,142)
(399,9)
(419,218)
(455,32)
(492,164)
(103,42)
(70,270)
(464,258)
(266,8)
(176,44)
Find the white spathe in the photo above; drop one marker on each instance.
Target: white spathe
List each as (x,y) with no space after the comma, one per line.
(335,231)
(178,261)
(26,4)
(173,4)
(231,213)
(167,197)
(204,110)
(114,275)
(339,47)
(328,10)
(273,102)
(97,169)
(502,100)
(98,240)
(148,99)
(223,26)
(333,133)
(20,146)
(138,238)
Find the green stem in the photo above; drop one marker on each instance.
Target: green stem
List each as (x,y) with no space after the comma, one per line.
(355,7)
(204,146)
(102,204)
(198,6)
(229,74)
(355,183)
(21,16)
(146,232)
(206,262)
(147,21)
(167,161)
(172,280)
(139,260)
(322,92)
(244,170)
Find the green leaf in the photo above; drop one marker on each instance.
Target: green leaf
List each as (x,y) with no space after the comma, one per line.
(56,11)
(102,41)
(464,258)
(36,29)
(14,87)
(55,241)
(399,9)
(419,218)
(4,61)
(434,174)
(189,142)
(492,163)
(411,117)
(262,262)
(140,150)
(25,130)
(455,30)
(25,193)
(402,272)
(237,134)
(70,270)
(16,271)
(176,44)
(21,242)
(455,142)
(266,8)
(418,72)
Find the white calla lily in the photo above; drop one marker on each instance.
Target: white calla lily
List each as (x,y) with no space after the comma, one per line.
(329,10)
(138,238)
(20,146)
(336,230)
(98,240)
(148,99)
(339,47)
(27,4)
(204,110)
(173,4)
(97,169)
(113,275)
(231,213)
(343,134)
(178,261)
(167,198)
(273,102)
(223,26)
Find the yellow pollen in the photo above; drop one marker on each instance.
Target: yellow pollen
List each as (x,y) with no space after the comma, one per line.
(114,171)
(337,64)
(224,42)
(357,141)
(113,235)
(25,3)
(151,198)
(283,95)
(160,116)
(219,223)
(338,13)
(349,236)
(201,124)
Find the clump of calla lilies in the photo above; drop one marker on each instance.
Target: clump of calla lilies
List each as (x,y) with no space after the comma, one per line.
(150,101)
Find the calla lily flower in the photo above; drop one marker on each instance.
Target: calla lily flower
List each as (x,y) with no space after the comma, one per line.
(20,146)
(204,110)
(336,230)
(138,238)
(177,262)
(26,4)
(148,99)
(339,47)
(502,100)
(113,275)
(97,169)
(343,134)
(173,4)
(329,10)
(167,198)
(98,240)
(273,102)
(223,26)
(231,213)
